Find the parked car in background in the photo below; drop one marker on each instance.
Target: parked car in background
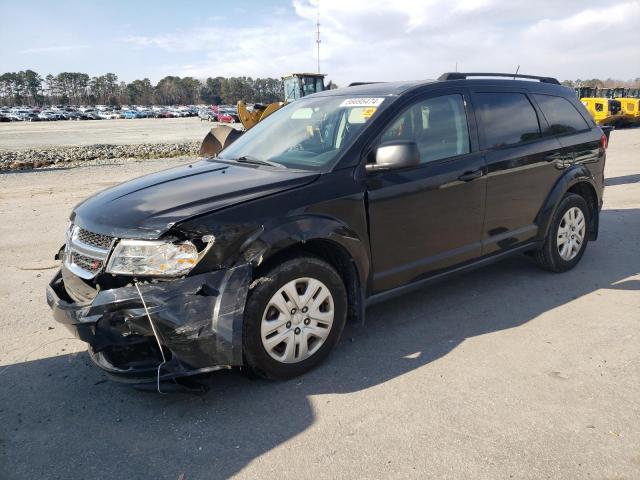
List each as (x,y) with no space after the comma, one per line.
(54,115)
(19,114)
(225,113)
(207,115)
(77,115)
(48,115)
(132,114)
(32,117)
(108,115)
(227,116)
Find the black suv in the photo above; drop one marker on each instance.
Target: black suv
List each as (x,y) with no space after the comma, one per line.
(257,257)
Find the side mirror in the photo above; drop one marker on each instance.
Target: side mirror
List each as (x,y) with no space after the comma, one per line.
(396,155)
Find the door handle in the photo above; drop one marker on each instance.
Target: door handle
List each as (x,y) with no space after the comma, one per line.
(468,176)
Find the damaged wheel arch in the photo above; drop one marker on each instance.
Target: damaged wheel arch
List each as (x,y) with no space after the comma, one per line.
(322,236)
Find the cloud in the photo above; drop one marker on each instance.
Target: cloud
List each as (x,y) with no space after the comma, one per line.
(413,39)
(54,49)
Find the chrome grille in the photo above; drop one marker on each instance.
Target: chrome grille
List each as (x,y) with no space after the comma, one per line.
(86,263)
(94,239)
(86,253)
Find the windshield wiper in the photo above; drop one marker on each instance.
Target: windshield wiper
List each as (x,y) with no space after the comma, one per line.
(258,161)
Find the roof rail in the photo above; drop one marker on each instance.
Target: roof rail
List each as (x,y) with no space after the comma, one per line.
(463,76)
(355,84)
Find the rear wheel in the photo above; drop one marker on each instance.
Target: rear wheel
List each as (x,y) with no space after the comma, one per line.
(294,317)
(568,235)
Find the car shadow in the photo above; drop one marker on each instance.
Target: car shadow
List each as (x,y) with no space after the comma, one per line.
(60,418)
(622,180)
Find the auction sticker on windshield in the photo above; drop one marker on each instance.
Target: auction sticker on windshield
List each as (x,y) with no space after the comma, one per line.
(362,102)
(367,112)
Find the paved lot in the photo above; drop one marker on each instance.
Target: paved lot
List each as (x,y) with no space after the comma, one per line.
(507,372)
(17,135)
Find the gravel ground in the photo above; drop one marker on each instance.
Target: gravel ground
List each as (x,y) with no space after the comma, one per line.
(27,145)
(505,372)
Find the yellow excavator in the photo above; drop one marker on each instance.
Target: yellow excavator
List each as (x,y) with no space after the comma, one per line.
(296,85)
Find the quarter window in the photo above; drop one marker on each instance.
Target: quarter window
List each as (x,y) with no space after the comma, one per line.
(561,115)
(506,118)
(438,126)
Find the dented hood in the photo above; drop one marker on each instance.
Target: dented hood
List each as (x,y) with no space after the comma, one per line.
(148,206)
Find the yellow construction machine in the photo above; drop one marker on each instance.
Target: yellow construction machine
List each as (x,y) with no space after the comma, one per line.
(296,85)
(629,104)
(605,111)
(618,107)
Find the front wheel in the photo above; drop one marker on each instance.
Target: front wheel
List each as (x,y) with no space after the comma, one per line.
(294,317)
(568,235)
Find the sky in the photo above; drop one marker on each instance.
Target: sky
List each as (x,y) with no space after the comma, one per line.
(362,40)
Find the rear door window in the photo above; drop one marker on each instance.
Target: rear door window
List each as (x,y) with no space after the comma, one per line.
(506,119)
(561,115)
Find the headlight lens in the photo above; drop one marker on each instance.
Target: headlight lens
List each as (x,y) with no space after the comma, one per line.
(159,258)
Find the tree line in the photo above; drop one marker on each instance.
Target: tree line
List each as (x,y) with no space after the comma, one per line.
(74,88)
(608,83)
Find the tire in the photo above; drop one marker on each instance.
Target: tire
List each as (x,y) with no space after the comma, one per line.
(265,312)
(549,257)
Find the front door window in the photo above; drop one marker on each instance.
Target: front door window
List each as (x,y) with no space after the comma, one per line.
(438,125)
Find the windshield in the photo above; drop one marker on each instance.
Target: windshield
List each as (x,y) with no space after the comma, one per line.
(291,89)
(307,134)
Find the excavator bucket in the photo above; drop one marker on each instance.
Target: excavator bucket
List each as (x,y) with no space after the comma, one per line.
(247,118)
(259,113)
(269,109)
(217,139)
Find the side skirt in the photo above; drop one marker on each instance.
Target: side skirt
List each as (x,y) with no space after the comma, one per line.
(410,287)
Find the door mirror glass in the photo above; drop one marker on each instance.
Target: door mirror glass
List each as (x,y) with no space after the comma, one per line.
(396,155)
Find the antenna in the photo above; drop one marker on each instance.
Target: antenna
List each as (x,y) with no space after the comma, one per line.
(517,70)
(318,35)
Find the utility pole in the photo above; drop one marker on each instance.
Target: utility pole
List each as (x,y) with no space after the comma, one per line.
(318,35)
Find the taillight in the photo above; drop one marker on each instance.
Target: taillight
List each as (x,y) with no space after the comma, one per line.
(603,142)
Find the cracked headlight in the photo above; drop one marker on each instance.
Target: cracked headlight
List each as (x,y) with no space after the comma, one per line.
(157,258)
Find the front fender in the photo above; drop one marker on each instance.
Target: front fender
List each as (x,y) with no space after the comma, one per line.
(570,177)
(331,209)
(307,228)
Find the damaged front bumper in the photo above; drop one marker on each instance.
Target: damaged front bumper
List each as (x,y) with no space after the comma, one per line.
(198,321)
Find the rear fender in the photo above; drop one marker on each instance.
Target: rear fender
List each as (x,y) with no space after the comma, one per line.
(572,176)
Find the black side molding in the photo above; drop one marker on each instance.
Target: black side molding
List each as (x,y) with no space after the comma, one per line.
(416,285)
(463,76)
